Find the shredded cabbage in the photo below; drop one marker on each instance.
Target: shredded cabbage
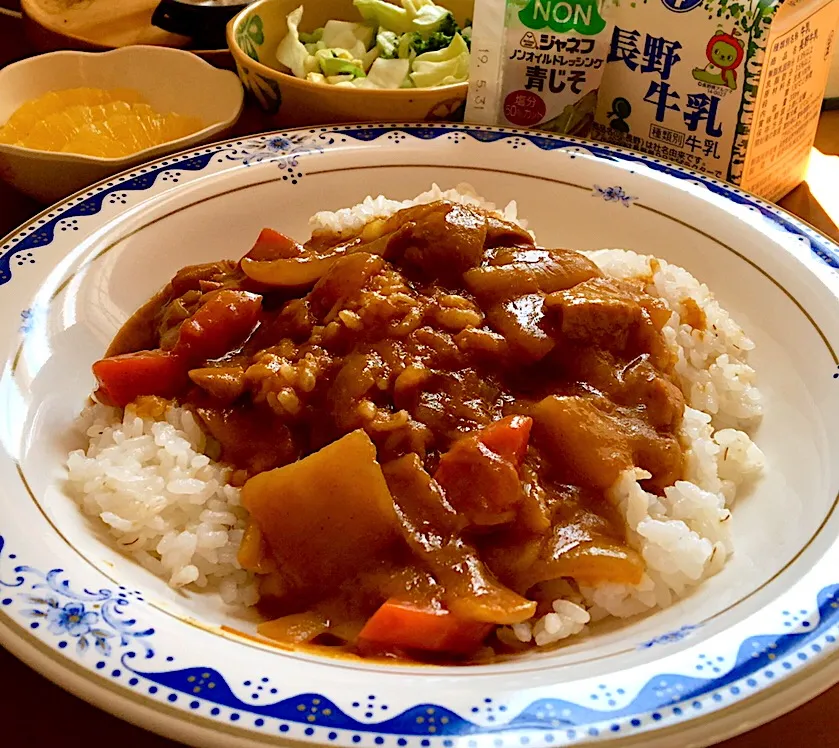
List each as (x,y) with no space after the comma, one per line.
(340,80)
(315,36)
(369,57)
(336,66)
(443,67)
(387,42)
(389,73)
(386,15)
(346,35)
(429,18)
(418,44)
(291,52)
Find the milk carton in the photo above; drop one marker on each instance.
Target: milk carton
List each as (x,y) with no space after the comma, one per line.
(732,88)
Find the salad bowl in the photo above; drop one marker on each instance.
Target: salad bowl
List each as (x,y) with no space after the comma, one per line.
(254,35)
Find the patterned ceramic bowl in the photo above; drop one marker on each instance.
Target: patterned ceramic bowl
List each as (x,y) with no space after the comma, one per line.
(171,80)
(750,643)
(253,37)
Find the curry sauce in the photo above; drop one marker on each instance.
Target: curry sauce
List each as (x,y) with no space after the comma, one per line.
(425,416)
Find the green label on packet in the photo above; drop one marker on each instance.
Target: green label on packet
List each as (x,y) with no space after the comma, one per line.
(563,16)
(549,56)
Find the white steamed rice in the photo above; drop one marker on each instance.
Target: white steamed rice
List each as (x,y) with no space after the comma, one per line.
(353,219)
(165,503)
(684,536)
(169,506)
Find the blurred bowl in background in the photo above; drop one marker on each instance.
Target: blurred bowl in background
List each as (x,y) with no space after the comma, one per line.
(170,80)
(203,21)
(254,34)
(102,25)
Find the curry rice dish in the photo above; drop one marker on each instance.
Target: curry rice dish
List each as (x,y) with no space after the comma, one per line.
(421,435)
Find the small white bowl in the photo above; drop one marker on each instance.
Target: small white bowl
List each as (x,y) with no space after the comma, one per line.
(171,80)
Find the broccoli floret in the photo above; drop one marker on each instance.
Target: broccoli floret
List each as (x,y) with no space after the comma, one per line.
(437,40)
(434,28)
(413,43)
(448,26)
(410,45)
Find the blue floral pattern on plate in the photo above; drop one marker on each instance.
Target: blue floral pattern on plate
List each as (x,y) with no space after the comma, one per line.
(89,618)
(284,150)
(290,146)
(27,320)
(103,616)
(613,195)
(672,636)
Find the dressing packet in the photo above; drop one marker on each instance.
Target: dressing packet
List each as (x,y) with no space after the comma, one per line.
(538,63)
(732,88)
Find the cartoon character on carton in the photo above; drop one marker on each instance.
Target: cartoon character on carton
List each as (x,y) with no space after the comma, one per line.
(725,52)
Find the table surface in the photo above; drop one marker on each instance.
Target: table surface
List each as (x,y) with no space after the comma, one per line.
(32,706)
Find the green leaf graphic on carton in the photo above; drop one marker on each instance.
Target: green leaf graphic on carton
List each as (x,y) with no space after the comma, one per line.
(562,16)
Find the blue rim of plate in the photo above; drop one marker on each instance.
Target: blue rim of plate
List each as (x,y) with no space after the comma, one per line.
(291,144)
(104,622)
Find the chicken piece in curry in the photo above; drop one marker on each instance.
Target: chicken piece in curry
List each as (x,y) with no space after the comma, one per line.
(425,417)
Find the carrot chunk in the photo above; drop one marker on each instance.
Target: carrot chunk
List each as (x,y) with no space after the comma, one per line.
(219,326)
(122,379)
(401,625)
(508,437)
(272,245)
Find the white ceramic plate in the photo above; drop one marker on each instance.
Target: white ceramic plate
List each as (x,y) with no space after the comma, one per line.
(754,641)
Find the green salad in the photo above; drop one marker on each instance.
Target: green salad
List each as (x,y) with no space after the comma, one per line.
(417,45)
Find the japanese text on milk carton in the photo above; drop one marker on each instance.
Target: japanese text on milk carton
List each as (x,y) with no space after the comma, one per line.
(728,87)
(789,98)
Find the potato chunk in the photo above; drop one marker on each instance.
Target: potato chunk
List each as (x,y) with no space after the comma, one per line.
(327,516)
